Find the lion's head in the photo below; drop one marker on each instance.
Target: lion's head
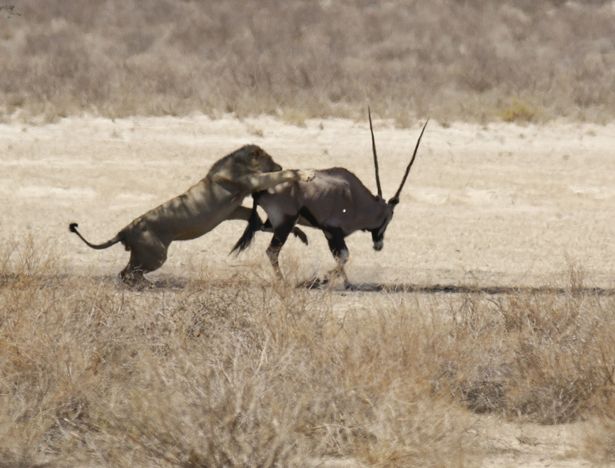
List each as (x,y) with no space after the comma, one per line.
(247,159)
(258,159)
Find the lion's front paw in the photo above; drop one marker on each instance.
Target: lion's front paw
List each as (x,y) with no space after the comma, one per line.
(306,175)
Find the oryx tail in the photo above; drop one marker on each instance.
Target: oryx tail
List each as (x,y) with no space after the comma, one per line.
(254,224)
(72,227)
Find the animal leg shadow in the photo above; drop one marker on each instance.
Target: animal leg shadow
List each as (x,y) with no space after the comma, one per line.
(325,283)
(312,283)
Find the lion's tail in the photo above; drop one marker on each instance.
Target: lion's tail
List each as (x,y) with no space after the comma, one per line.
(72,227)
(255,223)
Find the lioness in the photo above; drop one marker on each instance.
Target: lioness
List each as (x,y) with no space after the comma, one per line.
(206,204)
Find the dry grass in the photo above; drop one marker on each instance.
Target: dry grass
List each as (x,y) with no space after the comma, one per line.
(519,111)
(451,59)
(600,442)
(208,376)
(246,373)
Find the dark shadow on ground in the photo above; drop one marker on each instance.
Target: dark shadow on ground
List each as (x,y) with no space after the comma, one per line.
(456,289)
(179,283)
(167,282)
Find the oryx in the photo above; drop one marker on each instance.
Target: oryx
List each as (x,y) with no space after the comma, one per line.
(335,201)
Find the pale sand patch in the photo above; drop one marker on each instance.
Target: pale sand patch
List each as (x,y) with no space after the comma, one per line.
(46,191)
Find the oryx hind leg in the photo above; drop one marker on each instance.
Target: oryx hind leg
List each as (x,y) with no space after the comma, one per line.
(280,235)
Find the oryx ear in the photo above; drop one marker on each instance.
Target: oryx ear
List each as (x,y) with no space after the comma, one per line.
(395,199)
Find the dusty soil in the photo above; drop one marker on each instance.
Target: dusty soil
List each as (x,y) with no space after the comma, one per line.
(485,206)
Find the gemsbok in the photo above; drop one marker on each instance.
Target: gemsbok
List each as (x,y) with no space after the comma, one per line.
(334,201)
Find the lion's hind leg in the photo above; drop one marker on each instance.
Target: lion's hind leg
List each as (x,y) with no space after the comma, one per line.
(147,253)
(133,276)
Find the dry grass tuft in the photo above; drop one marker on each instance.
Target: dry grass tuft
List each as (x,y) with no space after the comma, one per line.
(543,359)
(519,111)
(599,446)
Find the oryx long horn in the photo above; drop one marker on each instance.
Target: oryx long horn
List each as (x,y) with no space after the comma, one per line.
(395,199)
(371,129)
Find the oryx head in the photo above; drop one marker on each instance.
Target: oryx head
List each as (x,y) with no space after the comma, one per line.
(388,206)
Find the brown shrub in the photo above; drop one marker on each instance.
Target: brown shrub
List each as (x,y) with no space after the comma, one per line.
(214,374)
(242,372)
(535,356)
(448,59)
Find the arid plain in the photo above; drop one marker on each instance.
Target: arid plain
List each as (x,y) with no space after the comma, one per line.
(492,205)
(520,216)
(482,335)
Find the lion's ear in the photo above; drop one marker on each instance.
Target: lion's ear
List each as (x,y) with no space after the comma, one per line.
(255,165)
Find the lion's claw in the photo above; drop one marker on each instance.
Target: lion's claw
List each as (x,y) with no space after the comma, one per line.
(306,175)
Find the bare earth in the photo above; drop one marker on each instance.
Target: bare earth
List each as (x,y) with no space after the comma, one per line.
(496,205)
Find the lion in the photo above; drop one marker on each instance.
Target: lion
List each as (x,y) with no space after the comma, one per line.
(213,199)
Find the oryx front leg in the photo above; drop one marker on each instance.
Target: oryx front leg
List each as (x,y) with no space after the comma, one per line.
(337,246)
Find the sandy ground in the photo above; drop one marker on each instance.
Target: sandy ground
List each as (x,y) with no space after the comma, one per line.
(493,205)
(496,205)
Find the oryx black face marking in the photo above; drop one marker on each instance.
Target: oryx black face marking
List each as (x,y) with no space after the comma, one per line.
(336,202)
